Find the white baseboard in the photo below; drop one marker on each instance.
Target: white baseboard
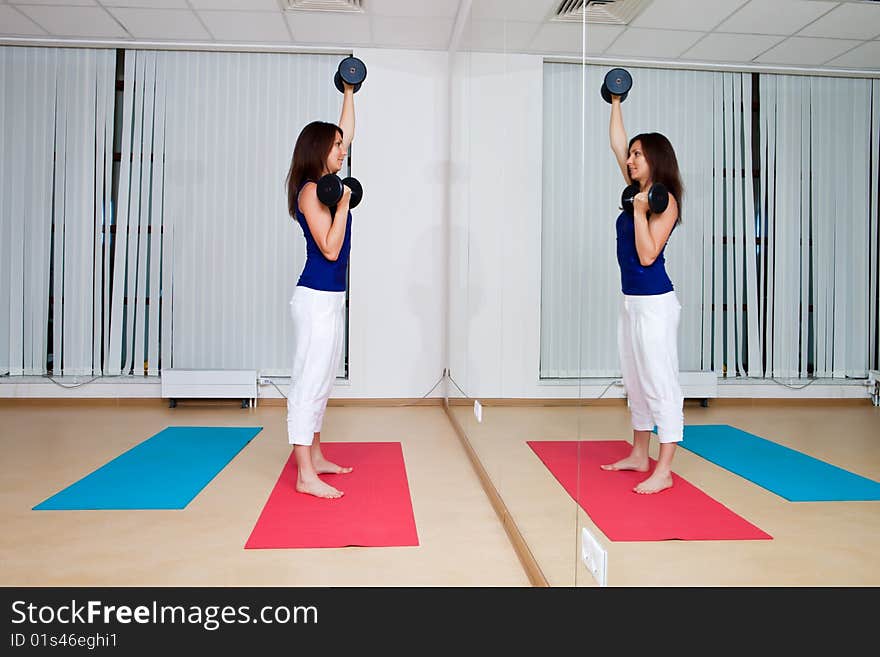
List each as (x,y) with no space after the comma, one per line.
(150,387)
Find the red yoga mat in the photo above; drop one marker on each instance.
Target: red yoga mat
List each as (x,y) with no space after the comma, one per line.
(376,510)
(682,512)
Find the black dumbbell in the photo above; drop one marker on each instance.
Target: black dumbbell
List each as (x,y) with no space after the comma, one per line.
(330,191)
(352,71)
(658,197)
(618,82)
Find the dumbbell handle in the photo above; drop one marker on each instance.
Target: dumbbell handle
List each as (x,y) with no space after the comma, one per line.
(658,190)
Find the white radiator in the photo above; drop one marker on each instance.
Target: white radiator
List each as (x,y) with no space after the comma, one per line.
(699,385)
(210,384)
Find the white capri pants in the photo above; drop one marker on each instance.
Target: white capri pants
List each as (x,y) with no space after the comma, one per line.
(318,326)
(647,338)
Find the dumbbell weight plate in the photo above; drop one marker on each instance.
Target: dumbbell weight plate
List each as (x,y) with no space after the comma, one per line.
(617,82)
(607,94)
(357,191)
(337,80)
(352,71)
(329,189)
(658,198)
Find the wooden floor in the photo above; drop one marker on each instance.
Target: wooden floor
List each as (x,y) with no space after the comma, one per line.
(814,543)
(48,445)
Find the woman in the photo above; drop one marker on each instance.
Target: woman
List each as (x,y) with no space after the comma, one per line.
(650,311)
(318,303)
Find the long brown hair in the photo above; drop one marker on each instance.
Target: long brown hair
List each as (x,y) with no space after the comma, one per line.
(309,157)
(664,165)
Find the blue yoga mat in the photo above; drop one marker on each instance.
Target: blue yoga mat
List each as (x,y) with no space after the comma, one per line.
(779,469)
(166,471)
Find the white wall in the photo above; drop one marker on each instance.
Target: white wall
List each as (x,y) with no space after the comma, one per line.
(398,263)
(495,260)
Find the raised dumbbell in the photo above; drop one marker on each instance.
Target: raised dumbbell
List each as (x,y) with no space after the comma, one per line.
(330,191)
(658,197)
(617,82)
(352,71)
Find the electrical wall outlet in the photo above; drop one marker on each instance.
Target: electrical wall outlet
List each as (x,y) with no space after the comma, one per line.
(595,557)
(478,411)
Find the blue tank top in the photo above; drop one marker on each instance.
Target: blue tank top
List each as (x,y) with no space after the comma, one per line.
(319,273)
(634,277)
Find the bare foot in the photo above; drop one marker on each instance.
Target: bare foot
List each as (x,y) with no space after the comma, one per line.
(655,483)
(318,488)
(323,466)
(629,463)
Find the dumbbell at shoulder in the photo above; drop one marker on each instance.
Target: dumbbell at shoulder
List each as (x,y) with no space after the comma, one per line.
(658,197)
(330,190)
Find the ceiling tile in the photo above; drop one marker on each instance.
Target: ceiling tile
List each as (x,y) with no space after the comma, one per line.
(330,28)
(17,24)
(599,37)
(414,8)
(146,4)
(638,42)
(164,24)
(806,51)
(85,22)
(233,5)
(680,14)
(559,39)
(535,11)
(731,47)
(775,16)
(58,3)
(405,32)
(848,21)
(866,55)
(250,26)
(501,36)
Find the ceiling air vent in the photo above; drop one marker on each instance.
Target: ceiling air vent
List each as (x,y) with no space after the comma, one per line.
(608,12)
(324,5)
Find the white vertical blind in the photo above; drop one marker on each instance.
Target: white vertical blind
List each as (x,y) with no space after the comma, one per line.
(57,114)
(840,183)
(817,181)
(734,282)
(785,286)
(580,276)
(232,254)
(785,144)
(874,242)
(204,255)
(133,324)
